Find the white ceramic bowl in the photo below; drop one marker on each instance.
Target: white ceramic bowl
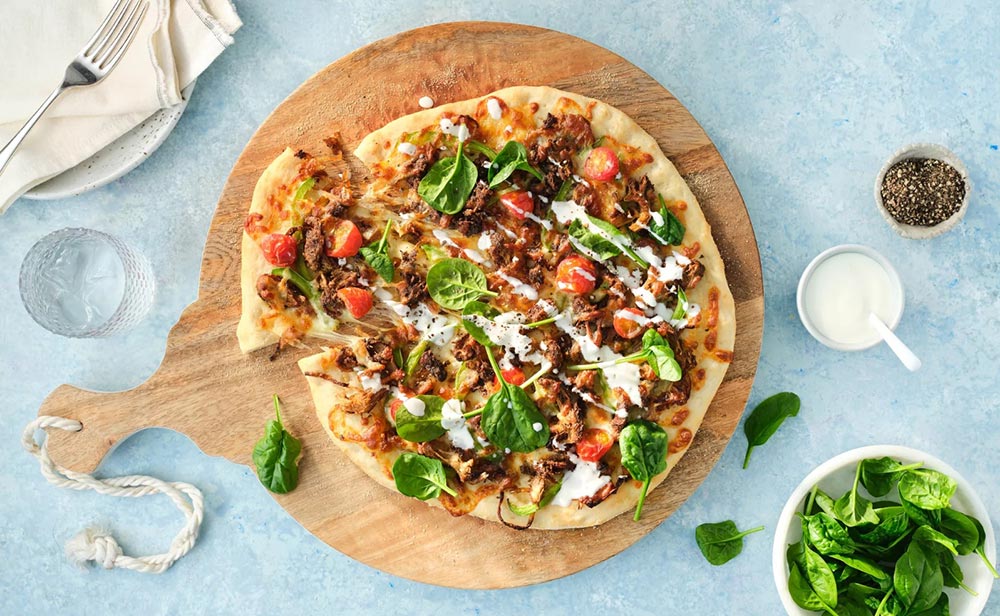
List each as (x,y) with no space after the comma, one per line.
(923,150)
(836,475)
(800,301)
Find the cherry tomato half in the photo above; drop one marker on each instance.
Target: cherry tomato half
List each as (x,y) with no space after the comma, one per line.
(357,300)
(345,241)
(601,164)
(514,376)
(594,443)
(629,322)
(519,203)
(279,249)
(394,408)
(576,274)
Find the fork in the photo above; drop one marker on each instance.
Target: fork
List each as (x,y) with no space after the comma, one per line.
(97,58)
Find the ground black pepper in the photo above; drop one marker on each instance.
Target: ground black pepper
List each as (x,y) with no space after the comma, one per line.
(922,191)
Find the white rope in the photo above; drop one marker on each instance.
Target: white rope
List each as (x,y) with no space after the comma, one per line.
(99,546)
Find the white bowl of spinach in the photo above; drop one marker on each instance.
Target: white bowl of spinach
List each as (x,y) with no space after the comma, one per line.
(849,543)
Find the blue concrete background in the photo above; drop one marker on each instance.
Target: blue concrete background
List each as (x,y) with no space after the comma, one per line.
(805,100)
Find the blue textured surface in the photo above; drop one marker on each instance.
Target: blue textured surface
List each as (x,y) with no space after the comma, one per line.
(805,103)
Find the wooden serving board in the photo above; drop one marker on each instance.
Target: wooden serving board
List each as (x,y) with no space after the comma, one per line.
(220,398)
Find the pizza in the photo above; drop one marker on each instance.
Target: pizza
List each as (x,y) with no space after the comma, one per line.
(519,310)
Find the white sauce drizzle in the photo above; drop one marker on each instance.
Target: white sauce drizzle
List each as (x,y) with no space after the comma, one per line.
(458,130)
(493,107)
(370,382)
(453,421)
(415,406)
(426,102)
(405,148)
(584,480)
(485,242)
(521,288)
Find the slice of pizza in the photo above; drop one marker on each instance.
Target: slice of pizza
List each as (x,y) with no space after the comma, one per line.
(524,312)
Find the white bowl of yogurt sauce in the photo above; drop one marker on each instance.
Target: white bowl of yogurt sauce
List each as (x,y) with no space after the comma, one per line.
(838,290)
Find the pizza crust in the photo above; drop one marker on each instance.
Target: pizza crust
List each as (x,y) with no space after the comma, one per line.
(605,119)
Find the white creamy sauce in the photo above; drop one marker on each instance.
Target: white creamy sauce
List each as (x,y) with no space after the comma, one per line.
(628,315)
(407,149)
(445,239)
(546,224)
(474,255)
(624,376)
(520,288)
(372,382)
(458,130)
(453,421)
(843,290)
(426,102)
(584,480)
(508,129)
(485,242)
(493,107)
(505,332)
(437,328)
(681,259)
(537,426)
(415,406)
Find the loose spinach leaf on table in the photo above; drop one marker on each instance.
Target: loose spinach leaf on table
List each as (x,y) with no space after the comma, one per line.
(853,509)
(419,476)
(510,416)
(643,447)
(665,227)
(377,255)
(276,455)
(449,182)
(766,418)
(879,475)
(453,283)
(917,579)
(513,157)
(720,542)
(421,428)
(927,489)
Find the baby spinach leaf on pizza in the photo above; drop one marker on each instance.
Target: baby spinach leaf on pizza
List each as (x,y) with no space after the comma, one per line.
(513,157)
(377,255)
(413,359)
(595,246)
(449,182)
(643,447)
(665,227)
(276,455)
(853,509)
(879,475)
(483,310)
(303,188)
(453,283)
(421,428)
(655,351)
(766,418)
(510,416)
(530,508)
(681,308)
(564,191)
(720,542)
(927,489)
(421,477)
(297,279)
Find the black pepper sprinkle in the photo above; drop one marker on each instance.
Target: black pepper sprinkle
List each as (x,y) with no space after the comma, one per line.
(922,191)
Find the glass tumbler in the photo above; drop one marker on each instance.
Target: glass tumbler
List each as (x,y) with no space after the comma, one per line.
(83,283)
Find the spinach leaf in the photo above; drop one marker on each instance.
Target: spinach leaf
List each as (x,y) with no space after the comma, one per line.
(453,283)
(480,147)
(893,524)
(377,255)
(826,534)
(434,253)
(939,609)
(823,501)
(655,351)
(927,489)
(918,580)
(447,185)
(602,240)
(920,517)
(961,529)
(952,573)
(484,310)
(303,188)
(680,310)
(866,566)
(298,280)
(530,508)
(413,359)
(811,581)
(644,455)
(510,416)
(419,476)
(564,191)
(512,157)
(934,540)
(878,475)
(853,509)
(421,428)
(397,357)
(889,606)
(766,418)
(276,455)
(665,227)
(721,542)
(981,546)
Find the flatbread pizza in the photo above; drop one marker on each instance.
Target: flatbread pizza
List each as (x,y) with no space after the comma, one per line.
(522,313)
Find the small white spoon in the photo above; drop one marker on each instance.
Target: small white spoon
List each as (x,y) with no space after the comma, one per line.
(903,352)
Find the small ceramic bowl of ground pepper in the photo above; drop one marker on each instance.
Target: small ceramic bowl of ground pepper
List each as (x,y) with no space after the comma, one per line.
(923,190)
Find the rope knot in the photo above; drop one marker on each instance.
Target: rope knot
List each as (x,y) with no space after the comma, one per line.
(93,545)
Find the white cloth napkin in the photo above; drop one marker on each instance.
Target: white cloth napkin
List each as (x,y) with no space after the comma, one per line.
(177,40)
